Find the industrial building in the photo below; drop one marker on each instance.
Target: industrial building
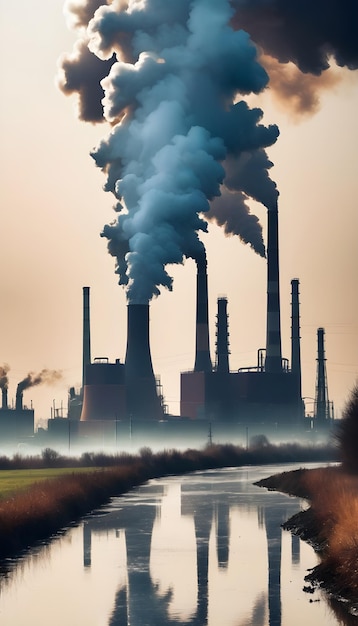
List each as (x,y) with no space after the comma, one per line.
(267,394)
(16,423)
(124,400)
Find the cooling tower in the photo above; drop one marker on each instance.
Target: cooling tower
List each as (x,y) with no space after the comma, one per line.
(273,361)
(202,349)
(142,398)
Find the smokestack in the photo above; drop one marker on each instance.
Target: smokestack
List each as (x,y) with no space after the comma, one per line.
(86,348)
(202,350)
(322,404)
(142,398)
(222,338)
(273,362)
(295,334)
(18,401)
(4,398)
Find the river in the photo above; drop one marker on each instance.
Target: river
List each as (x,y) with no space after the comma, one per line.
(201,549)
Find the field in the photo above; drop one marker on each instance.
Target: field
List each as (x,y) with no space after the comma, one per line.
(15,481)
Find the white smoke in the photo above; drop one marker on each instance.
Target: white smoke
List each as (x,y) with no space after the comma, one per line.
(180,136)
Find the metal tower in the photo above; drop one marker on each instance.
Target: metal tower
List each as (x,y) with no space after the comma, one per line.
(323,408)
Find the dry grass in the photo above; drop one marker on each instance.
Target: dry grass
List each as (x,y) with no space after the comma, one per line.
(334,502)
(348,433)
(330,525)
(49,505)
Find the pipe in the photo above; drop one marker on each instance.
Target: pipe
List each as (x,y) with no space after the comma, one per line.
(202,350)
(273,361)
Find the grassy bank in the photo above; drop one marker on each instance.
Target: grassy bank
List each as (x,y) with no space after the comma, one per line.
(329,525)
(48,505)
(14,481)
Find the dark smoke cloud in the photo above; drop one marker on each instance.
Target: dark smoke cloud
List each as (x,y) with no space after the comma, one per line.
(81,72)
(295,91)
(233,213)
(305,32)
(4,381)
(46,376)
(178,129)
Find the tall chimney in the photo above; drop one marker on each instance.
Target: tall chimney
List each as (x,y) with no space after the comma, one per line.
(86,347)
(295,334)
(222,337)
(142,397)
(202,349)
(273,361)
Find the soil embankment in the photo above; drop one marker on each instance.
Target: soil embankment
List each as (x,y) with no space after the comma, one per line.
(329,525)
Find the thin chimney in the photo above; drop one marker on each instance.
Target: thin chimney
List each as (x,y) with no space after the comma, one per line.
(4,391)
(202,349)
(18,401)
(222,337)
(295,334)
(273,361)
(86,350)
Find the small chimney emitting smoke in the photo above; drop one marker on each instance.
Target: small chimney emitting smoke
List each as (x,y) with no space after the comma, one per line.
(46,376)
(4,384)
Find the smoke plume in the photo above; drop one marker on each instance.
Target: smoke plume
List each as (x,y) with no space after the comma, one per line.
(172,98)
(308,34)
(169,77)
(4,381)
(46,376)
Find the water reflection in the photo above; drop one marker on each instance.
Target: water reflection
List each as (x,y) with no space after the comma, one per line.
(205,549)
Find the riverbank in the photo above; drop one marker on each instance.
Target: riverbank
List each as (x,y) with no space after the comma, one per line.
(46,507)
(329,525)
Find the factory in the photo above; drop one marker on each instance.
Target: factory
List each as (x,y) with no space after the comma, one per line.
(123,402)
(16,422)
(122,397)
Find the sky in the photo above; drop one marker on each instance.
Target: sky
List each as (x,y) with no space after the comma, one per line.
(54,208)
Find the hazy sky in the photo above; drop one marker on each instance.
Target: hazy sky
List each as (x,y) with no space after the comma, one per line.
(54,208)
